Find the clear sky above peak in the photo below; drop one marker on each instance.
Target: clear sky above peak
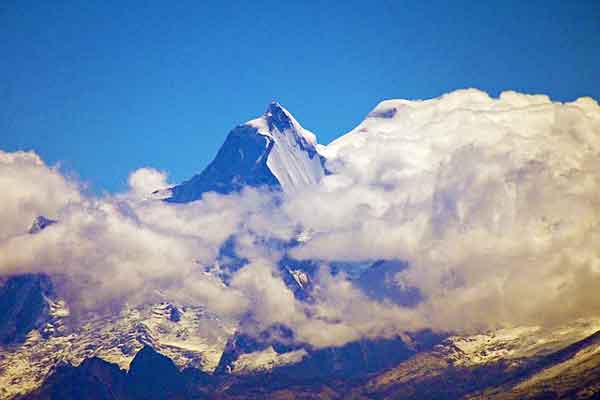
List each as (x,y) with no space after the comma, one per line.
(105,88)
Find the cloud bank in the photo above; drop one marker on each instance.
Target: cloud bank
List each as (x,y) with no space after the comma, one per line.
(493,203)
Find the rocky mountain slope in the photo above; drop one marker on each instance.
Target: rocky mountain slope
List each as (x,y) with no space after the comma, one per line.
(531,363)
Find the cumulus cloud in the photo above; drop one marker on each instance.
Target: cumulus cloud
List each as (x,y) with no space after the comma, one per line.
(493,203)
(30,188)
(116,250)
(144,181)
(338,313)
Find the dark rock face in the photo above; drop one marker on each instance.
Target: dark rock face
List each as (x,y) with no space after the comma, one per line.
(40,223)
(174,313)
(94,379)
(277,117)
(151,376)
(154,376)
(23,306)
(349,361)
(241,161)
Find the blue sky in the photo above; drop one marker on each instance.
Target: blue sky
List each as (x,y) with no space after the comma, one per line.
(104,88)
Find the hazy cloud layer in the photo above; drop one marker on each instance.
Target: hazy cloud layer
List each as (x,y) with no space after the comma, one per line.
(494,203)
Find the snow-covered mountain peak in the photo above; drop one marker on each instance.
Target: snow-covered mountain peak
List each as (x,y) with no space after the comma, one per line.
(278,118)
(273,150)
(294,158)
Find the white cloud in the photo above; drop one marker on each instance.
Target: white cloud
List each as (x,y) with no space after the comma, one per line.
(29,188)
(144,181)
(495,204)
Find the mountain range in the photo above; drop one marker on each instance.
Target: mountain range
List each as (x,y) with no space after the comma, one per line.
(174,350)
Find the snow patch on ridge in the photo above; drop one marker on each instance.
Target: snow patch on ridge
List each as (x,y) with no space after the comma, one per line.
(516,343)
(265,360)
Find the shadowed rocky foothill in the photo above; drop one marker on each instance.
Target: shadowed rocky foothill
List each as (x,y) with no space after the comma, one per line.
(23,306)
